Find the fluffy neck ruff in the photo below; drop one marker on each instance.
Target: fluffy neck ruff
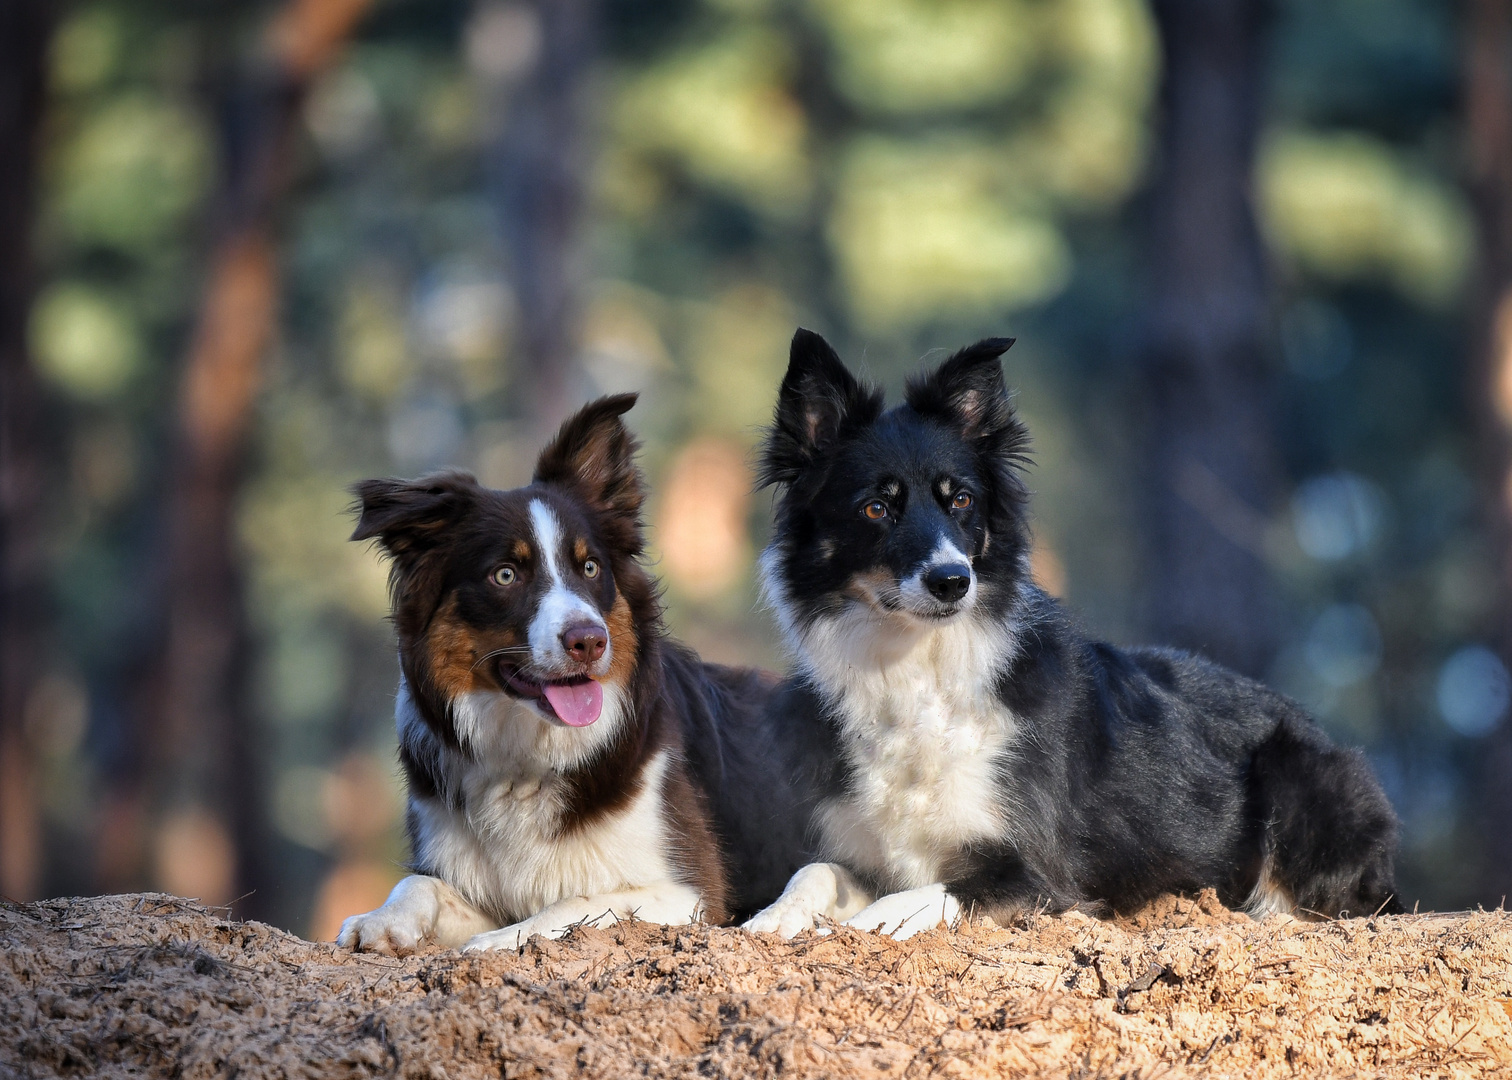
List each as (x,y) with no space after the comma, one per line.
(922,728)
(858,642)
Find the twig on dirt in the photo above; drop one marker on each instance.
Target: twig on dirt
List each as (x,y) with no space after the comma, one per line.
(1151,973)
(911,1003)
(1463,1037)
(1203,1059)
(229,904)
(1167,1066)
(1022,1020)
(1275,963)
(800,948)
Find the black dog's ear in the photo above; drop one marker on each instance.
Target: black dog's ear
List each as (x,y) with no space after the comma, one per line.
(819,396)
(968,390)
(408,516)
(594,455)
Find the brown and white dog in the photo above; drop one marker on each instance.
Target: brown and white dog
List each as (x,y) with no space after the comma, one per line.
(567,763)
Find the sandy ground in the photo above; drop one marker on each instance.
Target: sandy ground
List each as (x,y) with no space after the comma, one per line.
(157,986)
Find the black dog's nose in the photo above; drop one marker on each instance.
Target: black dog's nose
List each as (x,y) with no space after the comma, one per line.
(585,642)
(948,582)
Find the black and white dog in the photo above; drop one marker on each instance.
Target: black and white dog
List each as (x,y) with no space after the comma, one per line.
(567,762)
(970,749)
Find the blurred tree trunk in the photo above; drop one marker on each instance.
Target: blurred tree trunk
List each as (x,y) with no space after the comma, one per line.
(1211,468)
(538,57)
(201,778)
(1487,94)
(25,26)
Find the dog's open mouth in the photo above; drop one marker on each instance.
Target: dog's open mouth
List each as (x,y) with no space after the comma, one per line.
(575,702)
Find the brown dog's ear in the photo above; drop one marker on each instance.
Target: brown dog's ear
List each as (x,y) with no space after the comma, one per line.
(594,456)
(408,516)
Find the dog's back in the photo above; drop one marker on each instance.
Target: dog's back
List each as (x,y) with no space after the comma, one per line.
(1168,773)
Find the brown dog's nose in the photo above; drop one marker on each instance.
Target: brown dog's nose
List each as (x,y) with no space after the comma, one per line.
(585,642)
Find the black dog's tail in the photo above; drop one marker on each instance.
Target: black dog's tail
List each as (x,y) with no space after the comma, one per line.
(1329,833)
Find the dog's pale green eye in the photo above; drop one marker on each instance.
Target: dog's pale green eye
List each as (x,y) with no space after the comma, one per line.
(961,501)
(504,575)
(591,568)
(876,510)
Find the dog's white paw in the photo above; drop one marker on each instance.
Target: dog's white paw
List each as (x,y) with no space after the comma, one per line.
(514,936)
(785,917)
(392,930)
(507,937)
(902,915)
(816,889)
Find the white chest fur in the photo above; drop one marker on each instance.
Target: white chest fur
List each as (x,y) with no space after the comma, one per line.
(924,734)
(507,849)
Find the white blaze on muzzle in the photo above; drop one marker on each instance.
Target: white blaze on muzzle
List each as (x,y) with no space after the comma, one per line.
(560,607)
(915,589)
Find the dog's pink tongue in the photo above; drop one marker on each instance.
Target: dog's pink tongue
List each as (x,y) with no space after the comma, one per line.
(576,704)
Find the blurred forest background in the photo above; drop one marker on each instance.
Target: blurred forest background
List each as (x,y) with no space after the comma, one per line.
(1256,256)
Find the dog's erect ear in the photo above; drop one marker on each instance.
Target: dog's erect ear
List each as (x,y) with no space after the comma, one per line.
(408,516)
(968,390)
(594,455)
(819,396)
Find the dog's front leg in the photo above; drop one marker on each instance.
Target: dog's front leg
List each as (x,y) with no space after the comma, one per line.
(669,902)
(420,909)
(901,915)
(826,889)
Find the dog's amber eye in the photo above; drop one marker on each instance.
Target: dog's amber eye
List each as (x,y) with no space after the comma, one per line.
(591,568)
(961,501)
(876,509)
(504,575)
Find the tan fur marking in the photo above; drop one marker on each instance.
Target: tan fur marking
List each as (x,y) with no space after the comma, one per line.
(870,585)
(621,626)
(522,551)
(580,551)
(455,649)
(694,845)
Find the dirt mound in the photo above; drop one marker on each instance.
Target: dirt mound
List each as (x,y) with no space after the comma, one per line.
(154,985)
(1177,912)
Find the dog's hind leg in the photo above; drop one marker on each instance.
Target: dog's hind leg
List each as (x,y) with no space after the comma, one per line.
(421,909)
(1328,832)
(826,889)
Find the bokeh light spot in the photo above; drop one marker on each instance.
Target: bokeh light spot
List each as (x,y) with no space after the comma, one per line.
(84,342)
(1474,691)
(701,529)
(193,856)
(1337,515)
(1343,647)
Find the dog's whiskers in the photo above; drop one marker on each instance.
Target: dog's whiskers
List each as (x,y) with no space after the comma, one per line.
(499,652)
